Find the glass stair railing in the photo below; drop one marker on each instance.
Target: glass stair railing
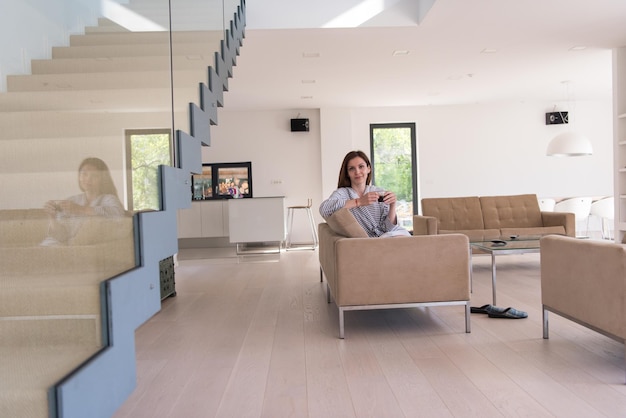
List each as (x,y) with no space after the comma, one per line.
(89,99)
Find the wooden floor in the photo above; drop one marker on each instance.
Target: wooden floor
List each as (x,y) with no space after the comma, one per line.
(255,337)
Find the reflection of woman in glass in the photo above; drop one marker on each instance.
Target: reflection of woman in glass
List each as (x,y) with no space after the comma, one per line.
(98,199)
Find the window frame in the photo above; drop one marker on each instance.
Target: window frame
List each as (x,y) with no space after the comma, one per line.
(412,126)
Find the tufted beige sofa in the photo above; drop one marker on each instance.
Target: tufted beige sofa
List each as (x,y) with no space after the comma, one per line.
(490,217)
(584,281)
(382,273)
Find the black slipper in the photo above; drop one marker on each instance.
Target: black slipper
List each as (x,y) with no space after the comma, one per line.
(490,310)
(483,309)
(508,313)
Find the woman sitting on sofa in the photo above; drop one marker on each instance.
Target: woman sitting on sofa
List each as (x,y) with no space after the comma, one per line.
(98,199)
(376,216)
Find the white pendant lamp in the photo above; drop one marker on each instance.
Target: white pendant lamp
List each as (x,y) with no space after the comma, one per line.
(569,144)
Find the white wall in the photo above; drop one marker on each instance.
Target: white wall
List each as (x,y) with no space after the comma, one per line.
(488,149)
(284,163)
(481,149)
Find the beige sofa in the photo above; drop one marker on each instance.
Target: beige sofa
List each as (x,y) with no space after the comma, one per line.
(490,217)
(382,273)
(584,281)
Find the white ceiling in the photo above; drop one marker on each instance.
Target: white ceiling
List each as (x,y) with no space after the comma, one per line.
(532,40)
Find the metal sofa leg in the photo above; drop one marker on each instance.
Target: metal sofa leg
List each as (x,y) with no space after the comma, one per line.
(468,326)
(328,297)
(545,322)
(341,333)
(321,274)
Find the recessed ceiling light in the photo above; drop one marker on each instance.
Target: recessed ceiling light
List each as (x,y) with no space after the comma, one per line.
(308,81)
(401,52)
(578,48)
(306,97)
(310,55)
(489,51)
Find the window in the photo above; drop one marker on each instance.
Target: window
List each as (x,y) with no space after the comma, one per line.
(146,150)
(394,165)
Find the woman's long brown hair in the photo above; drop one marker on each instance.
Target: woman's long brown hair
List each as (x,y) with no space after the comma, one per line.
(106,182)
(344,178)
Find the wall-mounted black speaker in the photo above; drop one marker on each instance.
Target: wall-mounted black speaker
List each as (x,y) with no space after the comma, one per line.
(556,118)
(299,125)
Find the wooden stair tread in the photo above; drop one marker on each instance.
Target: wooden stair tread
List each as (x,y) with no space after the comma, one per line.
(119,64)
(143,38)
(152,99)
(104,81)
(95,51)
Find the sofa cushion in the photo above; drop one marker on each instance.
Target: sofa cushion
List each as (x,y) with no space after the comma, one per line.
(519,211)
(476,235)
(533,232)
(344,223)
(455,213)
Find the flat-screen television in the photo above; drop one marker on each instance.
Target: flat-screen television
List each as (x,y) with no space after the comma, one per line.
(222,181)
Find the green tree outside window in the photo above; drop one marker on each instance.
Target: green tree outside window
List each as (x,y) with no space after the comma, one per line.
(393,156)
(148,152)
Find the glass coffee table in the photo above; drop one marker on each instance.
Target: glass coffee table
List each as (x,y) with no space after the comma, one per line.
(504,246)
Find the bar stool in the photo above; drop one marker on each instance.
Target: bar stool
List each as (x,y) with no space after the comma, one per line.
(290,213)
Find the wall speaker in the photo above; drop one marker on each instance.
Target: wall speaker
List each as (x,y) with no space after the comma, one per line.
(556,118)
(299,125)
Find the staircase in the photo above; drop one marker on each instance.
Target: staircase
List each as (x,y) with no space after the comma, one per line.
(80,103)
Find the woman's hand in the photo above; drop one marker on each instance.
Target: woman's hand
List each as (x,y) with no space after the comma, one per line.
(76,209)
(67,207)
(389,197)
(51,207)
(373,197)
(368,198)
